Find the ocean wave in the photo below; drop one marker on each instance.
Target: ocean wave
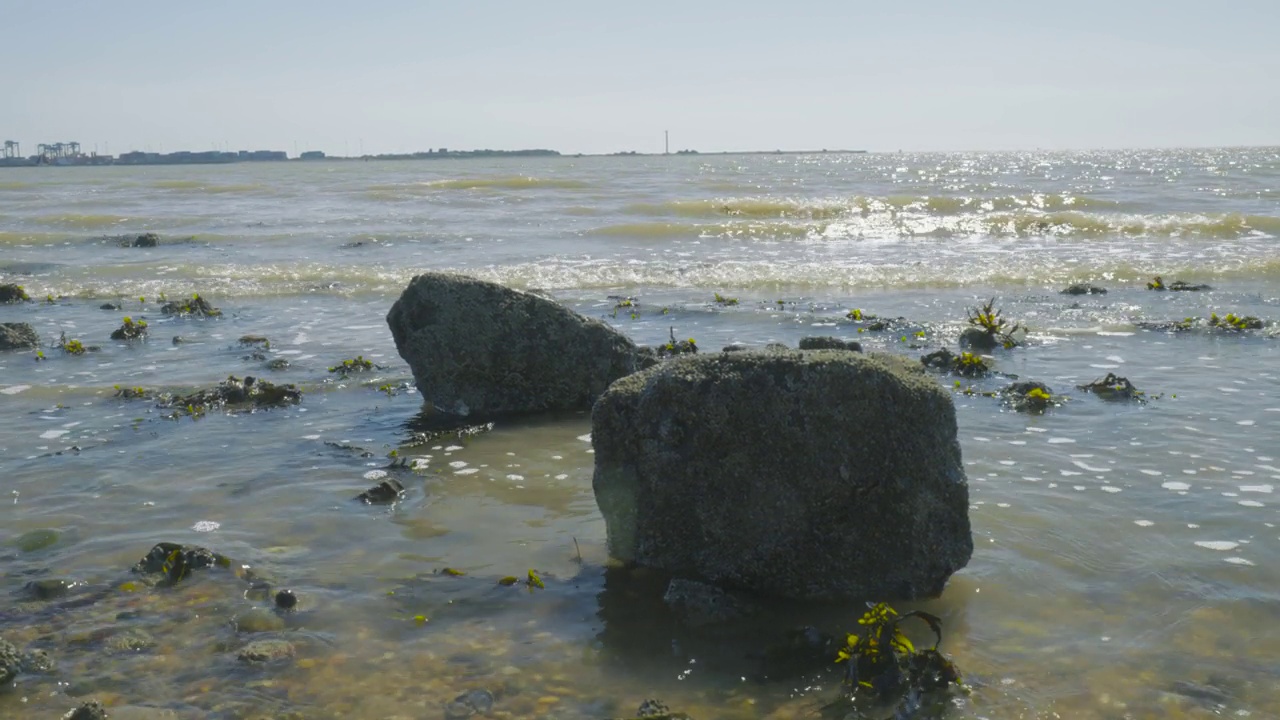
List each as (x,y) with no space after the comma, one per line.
(886,270)
(14,185)
(401,190)
(833,208)
(201,187)
(8,237)
(834,223)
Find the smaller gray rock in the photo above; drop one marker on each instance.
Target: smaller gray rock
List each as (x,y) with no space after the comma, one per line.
(18,336)
(10,662)
(129,641)
(387,491)
(49,588)
(257,620)
(91,710)
(978,339)
(147,240)
(263,651)
(37,661)
(735,347)
(698,604)
(829,343)
(776,347)
(1084,289)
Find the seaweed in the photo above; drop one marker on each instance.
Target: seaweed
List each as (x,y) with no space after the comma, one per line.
(70,347)
(233,392)
(677,347)
(883,667)
(353,365)
(626,303)
(965,364)
(1031,397)
(987,319)
(130,330)
(1234,322)
(196,305)
(11,293)
(1157,283)
(1114,387)
(724,301)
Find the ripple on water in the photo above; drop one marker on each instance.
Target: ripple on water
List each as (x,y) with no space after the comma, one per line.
(1257,488)
(1236,560)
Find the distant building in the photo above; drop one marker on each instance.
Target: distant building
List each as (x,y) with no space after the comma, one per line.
(312,155)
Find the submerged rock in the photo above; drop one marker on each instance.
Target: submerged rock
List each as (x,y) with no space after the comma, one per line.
(471,702)
(175,561)
(965,364)
(11,293)
(145,240)
(286,600)
(1084,289)
(697,604)
(1028,396)
(49,588)
(1113,387)
(816,475)
(234,392)
(978,339)
(91,710)
(10,662)
(387,491)
(18,336)
(130,330)
(480,349)
(829,343)
(196,305)
(262,651)
(1157,283)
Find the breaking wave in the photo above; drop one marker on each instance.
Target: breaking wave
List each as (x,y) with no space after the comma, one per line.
(397,191)
(833,208)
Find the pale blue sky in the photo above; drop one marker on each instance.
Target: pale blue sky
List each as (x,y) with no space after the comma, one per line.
(602,76)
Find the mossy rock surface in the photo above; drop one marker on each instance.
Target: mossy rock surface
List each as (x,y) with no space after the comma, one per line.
(478,349)
(18,336)
(816,475)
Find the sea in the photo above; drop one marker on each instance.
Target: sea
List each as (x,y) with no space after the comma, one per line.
(1127,555)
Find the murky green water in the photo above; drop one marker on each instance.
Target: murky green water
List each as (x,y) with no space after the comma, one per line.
(1125,561)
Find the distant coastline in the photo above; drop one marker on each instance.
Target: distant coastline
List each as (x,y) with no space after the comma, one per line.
(216,157)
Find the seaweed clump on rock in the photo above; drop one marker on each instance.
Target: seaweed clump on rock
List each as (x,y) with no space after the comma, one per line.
(965,364)
(829,343)
(1030,397)
(235,392)
(885,672)
(352,365)
(1235,323)
(987,330)
(11,293)
(130,329)
(195,305)
(1114,387)
(173,561)
(1157,283)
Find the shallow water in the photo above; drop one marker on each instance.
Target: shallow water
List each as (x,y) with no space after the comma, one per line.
(1120,549)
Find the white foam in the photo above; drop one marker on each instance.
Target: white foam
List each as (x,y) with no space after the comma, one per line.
(51,434)
(1222,545)
(1060,441)
(1143,523)
(1257,488)
(1250,503)
(466,471)
(14,389)
(1155,473)
(1237,561)
(375,474)
(206,526)
(1175,485)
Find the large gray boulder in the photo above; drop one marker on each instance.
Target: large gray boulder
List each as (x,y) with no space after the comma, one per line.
(816,475)
(480,349)
(18,336)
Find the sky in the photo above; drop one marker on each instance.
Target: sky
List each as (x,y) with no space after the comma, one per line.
(405,75)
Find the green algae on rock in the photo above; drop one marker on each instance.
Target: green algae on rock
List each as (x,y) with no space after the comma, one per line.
(884,669)
(965,364)
(988,330)
(130,329)
(829,343)
(1030,397)
(352,365)
(195,305)
(1157,283)
(11,293)
(1114,387)
(235,394)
